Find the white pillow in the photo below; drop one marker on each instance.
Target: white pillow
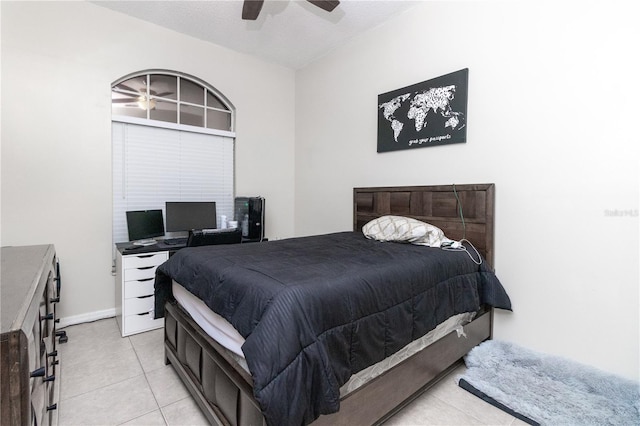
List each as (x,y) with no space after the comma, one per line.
(404,229)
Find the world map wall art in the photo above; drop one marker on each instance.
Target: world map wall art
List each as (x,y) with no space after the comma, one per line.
(430,113)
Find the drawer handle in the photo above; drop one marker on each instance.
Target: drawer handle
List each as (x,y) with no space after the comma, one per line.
(51,378)
(52,407)
(47,317)
(145,256)
(58,279)
(144,268)
(54,300)
(54,353)
(38,373)
(144,313)
(144,279)
(63,338)
(145,297)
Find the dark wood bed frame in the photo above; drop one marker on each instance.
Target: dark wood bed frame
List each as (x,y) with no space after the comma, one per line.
(223,390)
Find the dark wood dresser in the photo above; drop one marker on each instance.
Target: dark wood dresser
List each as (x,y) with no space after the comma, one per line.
(30,365)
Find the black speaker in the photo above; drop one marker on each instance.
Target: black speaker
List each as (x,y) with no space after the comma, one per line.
(249,212)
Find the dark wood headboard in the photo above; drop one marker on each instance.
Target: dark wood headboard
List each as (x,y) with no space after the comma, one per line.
(436,205)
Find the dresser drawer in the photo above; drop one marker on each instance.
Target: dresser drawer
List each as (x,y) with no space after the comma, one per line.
(139,305)
(39,400)
(132,262)
(146,272)
(137,289)
(135,277)
(138,323)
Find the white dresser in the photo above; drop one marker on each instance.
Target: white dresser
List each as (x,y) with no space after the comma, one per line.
(135,276)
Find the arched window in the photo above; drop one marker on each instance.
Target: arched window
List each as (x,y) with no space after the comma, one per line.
(172,140)
(171,97)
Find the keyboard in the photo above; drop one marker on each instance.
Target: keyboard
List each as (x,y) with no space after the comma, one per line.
(175,241)
(145,242)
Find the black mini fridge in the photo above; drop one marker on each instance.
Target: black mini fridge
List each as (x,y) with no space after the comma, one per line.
(249,212)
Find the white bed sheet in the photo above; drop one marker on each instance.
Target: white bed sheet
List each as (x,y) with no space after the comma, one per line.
(218,328)
(223,332)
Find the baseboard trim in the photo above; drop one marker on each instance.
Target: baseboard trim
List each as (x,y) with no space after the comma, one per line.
(87,317)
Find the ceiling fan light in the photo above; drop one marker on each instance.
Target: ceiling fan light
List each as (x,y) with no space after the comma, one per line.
(144,104)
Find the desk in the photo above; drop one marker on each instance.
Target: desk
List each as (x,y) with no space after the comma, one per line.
(128,248)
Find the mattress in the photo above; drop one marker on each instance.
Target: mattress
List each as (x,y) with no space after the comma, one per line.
(223,332)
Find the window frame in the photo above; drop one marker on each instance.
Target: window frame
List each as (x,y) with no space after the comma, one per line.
(176,125)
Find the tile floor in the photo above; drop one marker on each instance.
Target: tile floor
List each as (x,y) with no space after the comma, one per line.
(110,380)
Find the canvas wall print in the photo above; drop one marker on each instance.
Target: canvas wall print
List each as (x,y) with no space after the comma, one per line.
(430,113)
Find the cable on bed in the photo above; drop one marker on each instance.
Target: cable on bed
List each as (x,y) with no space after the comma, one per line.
(457,245)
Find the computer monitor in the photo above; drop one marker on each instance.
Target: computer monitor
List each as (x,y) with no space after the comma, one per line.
(145,224)
(188,215)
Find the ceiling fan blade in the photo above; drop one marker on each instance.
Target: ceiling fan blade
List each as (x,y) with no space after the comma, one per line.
(125,87)
(251,9)
(163,94)
(327,5)
(123,101)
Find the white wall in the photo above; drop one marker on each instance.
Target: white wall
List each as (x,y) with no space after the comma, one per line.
(552,107)
(58,62)
(553,102)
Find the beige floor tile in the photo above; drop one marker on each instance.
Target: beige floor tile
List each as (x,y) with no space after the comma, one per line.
(154,418)
(147,337)
(97,342)
(109,368)
(149,347)
(184,412)
(449,391)
(429,410)
(97,352)
(166,385)
(110,405)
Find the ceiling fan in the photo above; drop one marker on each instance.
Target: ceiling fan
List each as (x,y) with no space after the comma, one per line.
(139,99)
(251,8)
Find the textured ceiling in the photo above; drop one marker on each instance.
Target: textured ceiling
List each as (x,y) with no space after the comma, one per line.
(292,33)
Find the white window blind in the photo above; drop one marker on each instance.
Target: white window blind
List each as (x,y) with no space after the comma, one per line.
(152,165)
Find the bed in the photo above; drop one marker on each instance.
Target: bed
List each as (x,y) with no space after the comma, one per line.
(228,394)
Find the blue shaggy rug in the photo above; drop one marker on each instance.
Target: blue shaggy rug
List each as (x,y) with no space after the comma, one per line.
(549,390)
